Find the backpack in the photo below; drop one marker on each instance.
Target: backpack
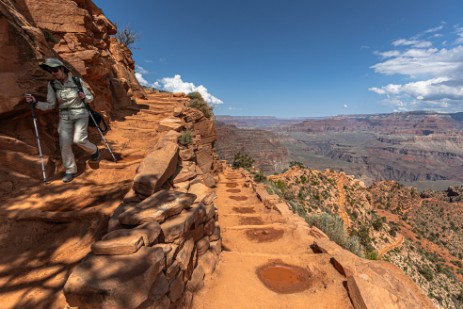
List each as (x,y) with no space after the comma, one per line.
(95,119)
(99,122)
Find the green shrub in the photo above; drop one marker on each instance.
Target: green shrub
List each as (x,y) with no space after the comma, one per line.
(296,163)
(197,102)
(242,160)
(185,138)
(377,223)
(426,272)
(372,255)
(333,226)
(259,177)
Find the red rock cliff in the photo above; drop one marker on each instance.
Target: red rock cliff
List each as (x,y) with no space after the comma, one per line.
(76,32)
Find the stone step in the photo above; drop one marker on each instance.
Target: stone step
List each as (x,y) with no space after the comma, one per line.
(237,208)
(231,220)
(270,238)
(273,281)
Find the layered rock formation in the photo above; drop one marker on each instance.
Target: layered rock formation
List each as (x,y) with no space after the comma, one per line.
(373,147)
(263,146)
(76,32)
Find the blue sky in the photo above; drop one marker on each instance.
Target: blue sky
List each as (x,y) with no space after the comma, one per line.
(298,58)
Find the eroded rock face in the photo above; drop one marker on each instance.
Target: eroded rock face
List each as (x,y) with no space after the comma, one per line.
(76,32)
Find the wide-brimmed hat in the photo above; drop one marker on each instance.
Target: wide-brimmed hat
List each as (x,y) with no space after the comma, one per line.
(53,63)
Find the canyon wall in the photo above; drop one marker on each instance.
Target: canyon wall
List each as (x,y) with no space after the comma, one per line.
(76,32)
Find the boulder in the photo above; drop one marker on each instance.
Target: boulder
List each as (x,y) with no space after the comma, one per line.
(187,154)
(157,208)
(127,241)
(114,281)
(185,173)
(155,169)
(184,255)
(204,159)
(173,230)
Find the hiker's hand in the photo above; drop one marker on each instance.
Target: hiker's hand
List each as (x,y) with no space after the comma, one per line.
(82,95)
(30,99)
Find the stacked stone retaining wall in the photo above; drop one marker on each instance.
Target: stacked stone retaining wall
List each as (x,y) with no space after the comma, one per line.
(164,238)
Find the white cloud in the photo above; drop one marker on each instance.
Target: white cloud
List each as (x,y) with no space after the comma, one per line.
(412,42)
(460,35)
(388,54)
(141,69)
(436,74)
(345,106)
(141,80)
(176,84)
(435,29)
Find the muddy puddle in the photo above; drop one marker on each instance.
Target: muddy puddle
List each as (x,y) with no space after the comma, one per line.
(264,235)
(251,221)
(244,210)
(239,198)
(283,278)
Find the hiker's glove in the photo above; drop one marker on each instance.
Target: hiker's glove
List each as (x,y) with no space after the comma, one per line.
(82,95)
(31,100)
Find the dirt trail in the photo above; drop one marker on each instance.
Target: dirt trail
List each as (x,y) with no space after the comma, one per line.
(267,261)
(342,200)
(47,229)
(398,242)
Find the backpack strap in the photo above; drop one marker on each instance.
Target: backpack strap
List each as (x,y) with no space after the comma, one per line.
(90,110)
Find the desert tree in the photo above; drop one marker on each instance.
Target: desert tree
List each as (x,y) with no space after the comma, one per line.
(127,36)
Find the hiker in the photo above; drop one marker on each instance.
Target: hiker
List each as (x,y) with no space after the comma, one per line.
(73,115)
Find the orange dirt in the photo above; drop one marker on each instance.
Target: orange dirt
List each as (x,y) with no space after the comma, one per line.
(47,229)
(399,241)
(267,263)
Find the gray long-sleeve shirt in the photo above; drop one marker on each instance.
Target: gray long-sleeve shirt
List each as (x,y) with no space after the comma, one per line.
(66,95)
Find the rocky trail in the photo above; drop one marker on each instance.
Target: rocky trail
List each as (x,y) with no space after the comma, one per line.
(267,261)
(46,229)
(270,257)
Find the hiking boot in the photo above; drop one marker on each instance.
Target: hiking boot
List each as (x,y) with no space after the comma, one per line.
(95,156)
(68,177)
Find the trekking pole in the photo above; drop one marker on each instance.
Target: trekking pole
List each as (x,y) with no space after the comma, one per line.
(34,117)
(101,133)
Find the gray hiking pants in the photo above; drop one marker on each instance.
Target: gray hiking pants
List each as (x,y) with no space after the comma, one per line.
(72,128)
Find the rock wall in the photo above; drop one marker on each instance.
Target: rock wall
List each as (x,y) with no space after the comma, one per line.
(164,238)
(76,32)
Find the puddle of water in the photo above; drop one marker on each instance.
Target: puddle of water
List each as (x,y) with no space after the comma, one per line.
(283,278)
(264,235)
(239,198)
(251,221)
(244,210)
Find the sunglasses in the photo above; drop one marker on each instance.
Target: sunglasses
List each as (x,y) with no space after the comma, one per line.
(54,70)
